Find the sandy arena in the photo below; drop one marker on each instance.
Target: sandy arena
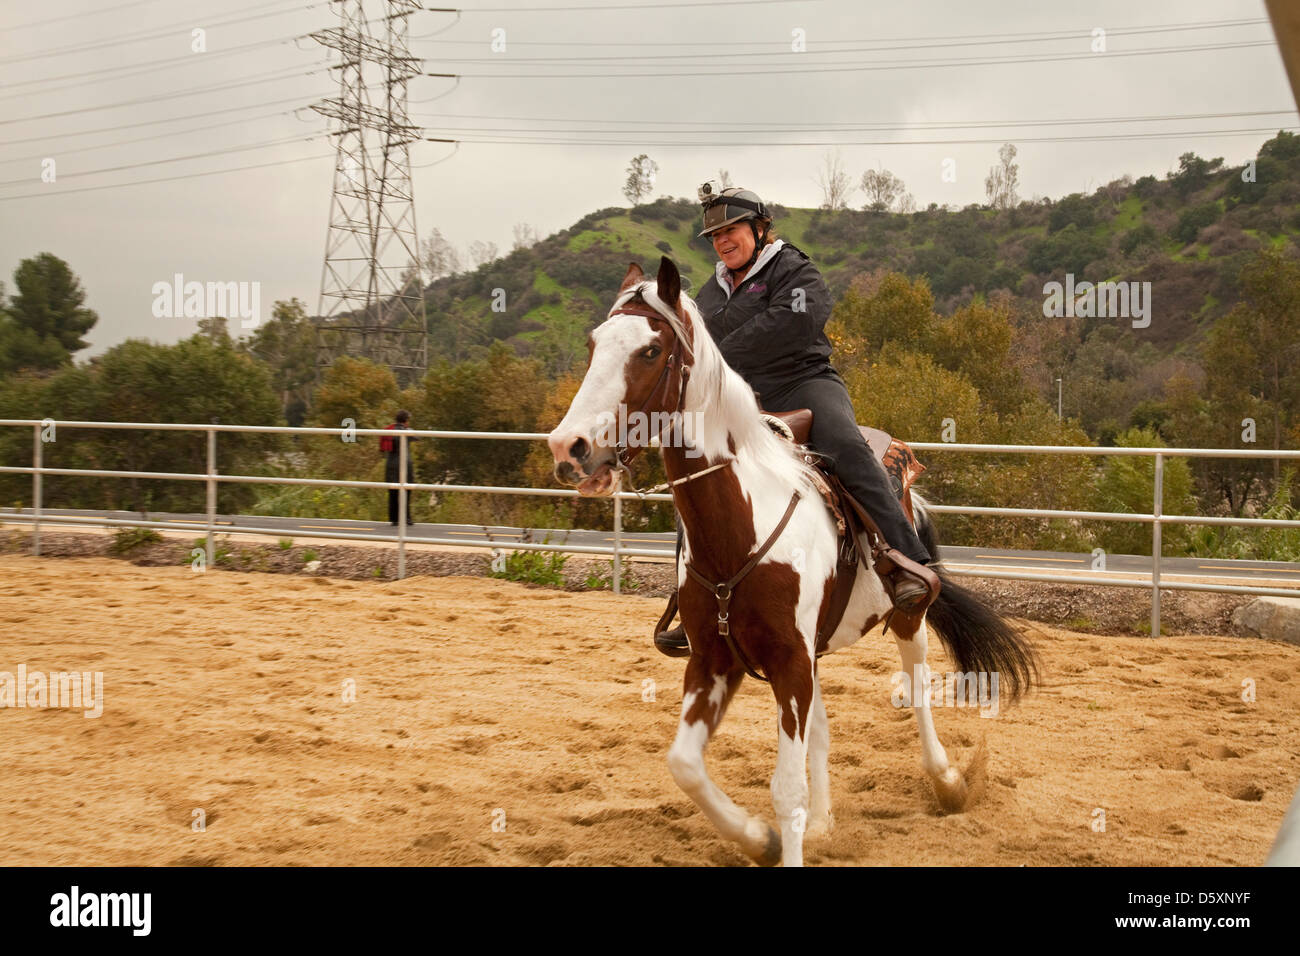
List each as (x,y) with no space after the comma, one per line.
(496,724)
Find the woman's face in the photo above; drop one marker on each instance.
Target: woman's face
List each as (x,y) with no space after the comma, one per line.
(734,244)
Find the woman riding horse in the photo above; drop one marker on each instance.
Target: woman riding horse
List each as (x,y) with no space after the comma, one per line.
(767,310)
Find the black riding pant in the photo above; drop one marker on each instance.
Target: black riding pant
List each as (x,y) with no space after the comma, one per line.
(835,434)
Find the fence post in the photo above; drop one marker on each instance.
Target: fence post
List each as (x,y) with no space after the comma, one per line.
(212,493)
(618,543)
(38,459)
(401,507)
(1157,511)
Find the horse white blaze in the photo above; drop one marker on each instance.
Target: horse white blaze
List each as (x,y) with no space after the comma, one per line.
(603,388)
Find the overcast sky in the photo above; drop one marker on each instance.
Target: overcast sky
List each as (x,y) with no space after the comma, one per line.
(269,225)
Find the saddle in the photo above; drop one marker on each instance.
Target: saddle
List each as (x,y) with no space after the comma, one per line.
(851,520)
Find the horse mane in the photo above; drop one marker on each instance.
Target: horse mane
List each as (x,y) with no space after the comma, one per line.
(723,396)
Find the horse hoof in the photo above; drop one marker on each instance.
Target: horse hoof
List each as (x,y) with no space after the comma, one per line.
(951,790)
(771,854)
(819,827)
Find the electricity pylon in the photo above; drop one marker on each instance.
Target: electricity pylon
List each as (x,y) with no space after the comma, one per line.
(372,288)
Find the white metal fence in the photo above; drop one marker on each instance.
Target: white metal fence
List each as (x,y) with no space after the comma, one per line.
(43,431)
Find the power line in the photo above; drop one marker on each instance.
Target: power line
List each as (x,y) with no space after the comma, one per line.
(172,119)
(164,179)
(888,65)
(838,126)
(142,139)
(626,6)
(156,33)
(138,69)
(77,16)
(787,52)
(271,77)
(1105,137)
(971,37)
(177,159)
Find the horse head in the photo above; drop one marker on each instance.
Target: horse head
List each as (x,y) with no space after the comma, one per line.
(635,382)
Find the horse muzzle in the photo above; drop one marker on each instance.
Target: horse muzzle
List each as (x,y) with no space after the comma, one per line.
(578,464)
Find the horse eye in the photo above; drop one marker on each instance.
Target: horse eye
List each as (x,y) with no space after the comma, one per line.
(652,352)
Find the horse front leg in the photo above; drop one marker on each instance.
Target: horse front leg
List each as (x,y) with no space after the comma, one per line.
(794,686)
(711,681)
(820,819)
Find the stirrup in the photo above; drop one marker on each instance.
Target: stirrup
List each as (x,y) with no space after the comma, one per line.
(912,587)
(672,642)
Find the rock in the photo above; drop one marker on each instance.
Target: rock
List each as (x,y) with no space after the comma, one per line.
(1272,618)
(311,567)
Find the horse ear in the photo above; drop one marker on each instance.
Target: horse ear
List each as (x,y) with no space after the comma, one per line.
(634,275)
(669,282)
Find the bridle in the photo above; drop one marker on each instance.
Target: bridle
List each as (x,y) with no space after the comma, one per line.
(626,453)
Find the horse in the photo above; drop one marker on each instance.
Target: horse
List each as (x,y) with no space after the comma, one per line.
(748,499)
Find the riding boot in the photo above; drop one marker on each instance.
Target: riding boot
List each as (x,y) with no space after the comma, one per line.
(912,587)
(671,642)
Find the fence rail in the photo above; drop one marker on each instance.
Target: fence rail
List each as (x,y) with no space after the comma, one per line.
(44,431)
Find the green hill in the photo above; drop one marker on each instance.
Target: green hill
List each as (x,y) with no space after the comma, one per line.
(1188,234)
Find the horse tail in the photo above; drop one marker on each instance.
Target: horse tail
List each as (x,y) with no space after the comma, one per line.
(975,636)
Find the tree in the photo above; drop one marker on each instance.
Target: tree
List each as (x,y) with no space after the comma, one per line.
(1000,185)
(357,389)
(287,346)
(46,319)
(1252,355)
(1193,173)
(481,253)
(640,183)
(440,257)
(883,188)
(525,237)
(979,341)
(835,183)
(882,309)
(1127,485)
(194,381)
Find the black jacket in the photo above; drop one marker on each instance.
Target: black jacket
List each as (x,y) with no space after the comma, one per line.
(772,328)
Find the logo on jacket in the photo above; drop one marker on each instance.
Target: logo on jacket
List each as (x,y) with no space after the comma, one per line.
(756,287)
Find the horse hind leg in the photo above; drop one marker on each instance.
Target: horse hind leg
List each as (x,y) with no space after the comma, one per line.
(710,685)
(950,787)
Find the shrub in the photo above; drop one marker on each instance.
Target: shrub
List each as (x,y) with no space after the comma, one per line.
(534,567)
(1192,221)
(1135,239)
(126,540)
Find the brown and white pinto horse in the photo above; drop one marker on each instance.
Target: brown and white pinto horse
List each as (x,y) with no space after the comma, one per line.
(735,480)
